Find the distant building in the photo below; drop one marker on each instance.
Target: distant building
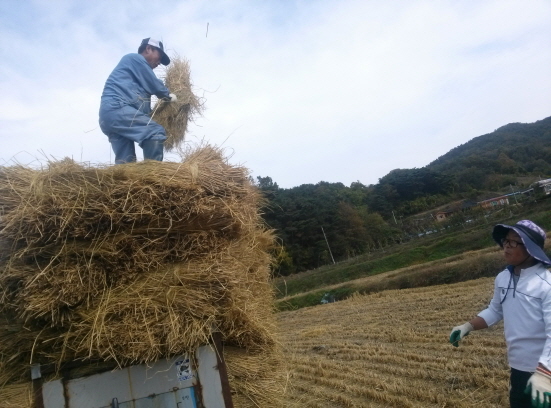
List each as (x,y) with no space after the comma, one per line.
(545,185)
(494,202)
(462,206)
(442,215)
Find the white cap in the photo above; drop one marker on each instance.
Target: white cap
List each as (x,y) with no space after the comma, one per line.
(158,44)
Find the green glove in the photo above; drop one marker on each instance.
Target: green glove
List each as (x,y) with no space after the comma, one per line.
(539,387)
(458,332)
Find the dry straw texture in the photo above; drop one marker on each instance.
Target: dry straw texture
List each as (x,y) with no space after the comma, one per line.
(133,263)
(175,116)
(16,396)
(391,349)
(256,373)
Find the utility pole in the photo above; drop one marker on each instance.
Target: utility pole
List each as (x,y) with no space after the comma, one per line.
(514,194)
(330,253)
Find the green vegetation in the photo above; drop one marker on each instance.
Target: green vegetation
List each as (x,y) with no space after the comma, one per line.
(362,220)
(439,248)
(392,226)
(473,265)
(442,258)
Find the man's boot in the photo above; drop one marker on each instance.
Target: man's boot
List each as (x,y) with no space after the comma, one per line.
(153,149)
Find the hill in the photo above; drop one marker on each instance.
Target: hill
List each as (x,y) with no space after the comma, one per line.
(522,142)
(323,223)
(447,256)
(491,161)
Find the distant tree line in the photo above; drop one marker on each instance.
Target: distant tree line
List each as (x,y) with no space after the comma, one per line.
(357,219)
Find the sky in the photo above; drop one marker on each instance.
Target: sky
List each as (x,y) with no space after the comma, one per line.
(300,91)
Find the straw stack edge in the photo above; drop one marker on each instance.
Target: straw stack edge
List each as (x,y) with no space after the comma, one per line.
(111,266)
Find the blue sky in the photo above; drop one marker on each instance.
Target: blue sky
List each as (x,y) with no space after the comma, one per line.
(301,91)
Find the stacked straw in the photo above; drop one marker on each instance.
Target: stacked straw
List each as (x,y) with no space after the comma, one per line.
(17,396)
(133,263)
(175,116)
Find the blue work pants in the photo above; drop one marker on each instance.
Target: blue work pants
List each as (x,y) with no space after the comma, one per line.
(125,125)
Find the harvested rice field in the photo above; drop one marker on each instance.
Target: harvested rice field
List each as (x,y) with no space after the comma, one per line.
(390,349)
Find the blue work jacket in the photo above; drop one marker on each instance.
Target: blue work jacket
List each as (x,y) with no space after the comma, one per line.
(132,83)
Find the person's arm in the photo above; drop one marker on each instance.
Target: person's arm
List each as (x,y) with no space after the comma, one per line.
(545,358)
(478,323)
(488,317)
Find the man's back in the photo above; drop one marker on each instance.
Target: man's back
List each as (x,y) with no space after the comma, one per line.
(132,82)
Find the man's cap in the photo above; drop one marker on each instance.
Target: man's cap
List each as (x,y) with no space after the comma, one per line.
(159,44)
(532,236)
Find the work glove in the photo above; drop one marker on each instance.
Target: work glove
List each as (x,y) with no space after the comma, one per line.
(458,332)
(173,98)
(539,386)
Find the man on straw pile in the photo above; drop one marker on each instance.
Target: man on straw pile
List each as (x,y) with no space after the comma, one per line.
(126,104)
(522,298)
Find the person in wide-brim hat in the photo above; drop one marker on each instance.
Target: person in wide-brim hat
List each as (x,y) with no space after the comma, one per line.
(522,299)
(532,237)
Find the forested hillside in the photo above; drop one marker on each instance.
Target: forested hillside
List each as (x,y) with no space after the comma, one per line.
(491,161)
(351,220)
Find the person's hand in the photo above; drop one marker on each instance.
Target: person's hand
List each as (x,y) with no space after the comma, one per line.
(458,332)
(539,386)
(173,98)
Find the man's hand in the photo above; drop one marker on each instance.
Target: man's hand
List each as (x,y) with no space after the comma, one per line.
(458,332)
(539,386)
(172,97)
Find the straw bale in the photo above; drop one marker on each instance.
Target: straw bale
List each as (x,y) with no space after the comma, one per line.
(166,312)
(257,377)
(162,311)
(122,265)
(175,116)
(16,396)
(86,229)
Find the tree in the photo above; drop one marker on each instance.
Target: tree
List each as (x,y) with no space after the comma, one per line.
(266,183)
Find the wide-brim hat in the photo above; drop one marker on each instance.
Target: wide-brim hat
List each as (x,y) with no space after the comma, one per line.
(165,60)
(532,236)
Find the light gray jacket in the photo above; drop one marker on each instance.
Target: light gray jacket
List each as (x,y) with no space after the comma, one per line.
(525,308)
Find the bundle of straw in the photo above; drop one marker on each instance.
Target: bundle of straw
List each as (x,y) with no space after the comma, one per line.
(16,396)
(129,264)
(86,229)
(257,377)
(162,313)
(175,116)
